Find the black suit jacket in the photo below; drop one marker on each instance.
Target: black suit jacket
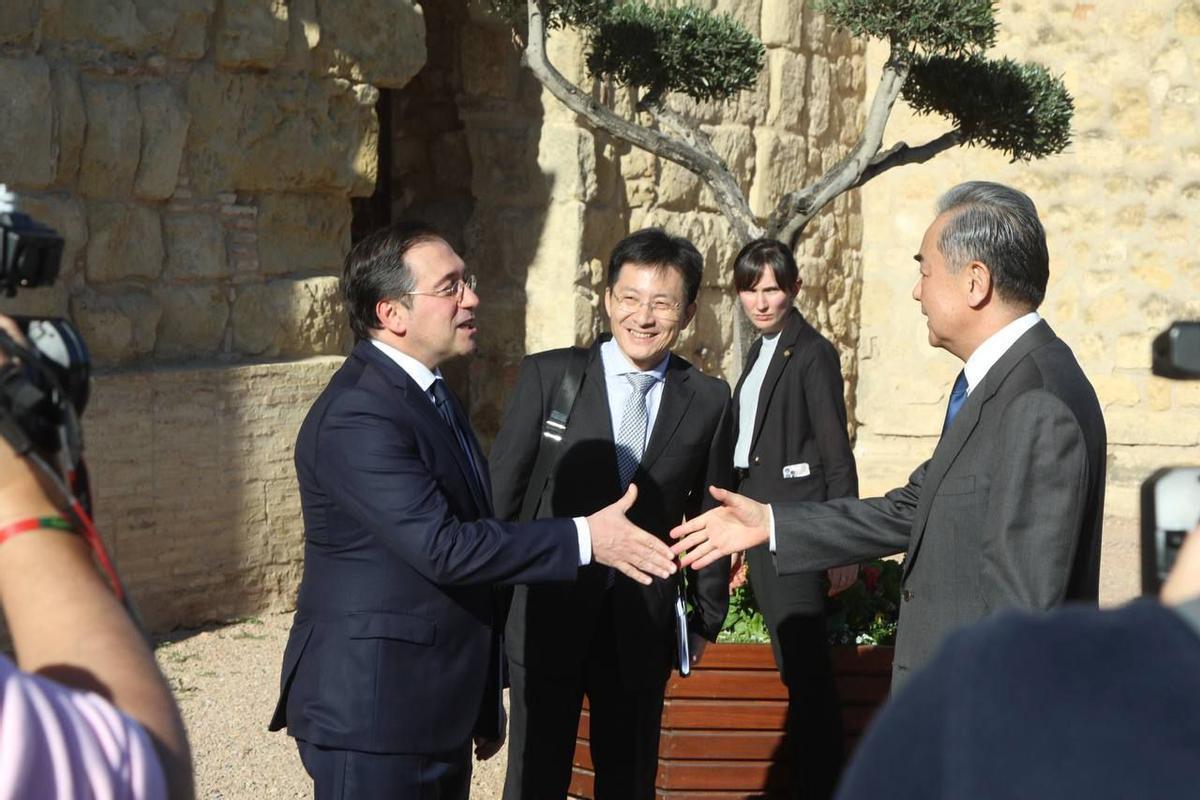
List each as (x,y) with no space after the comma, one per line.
(800,419)
(394,647)
(1007,513)
(550,625)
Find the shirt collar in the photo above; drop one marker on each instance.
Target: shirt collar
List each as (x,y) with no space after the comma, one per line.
(617,363)
(420,373)
(994,347)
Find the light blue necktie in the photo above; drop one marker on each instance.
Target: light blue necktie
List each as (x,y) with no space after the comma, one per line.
(958,396)
(631,436)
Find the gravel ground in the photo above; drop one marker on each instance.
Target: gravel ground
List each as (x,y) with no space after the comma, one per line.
(226,681)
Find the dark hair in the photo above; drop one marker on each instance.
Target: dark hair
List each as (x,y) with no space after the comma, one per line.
(999,226)
(756,256)
(375,270)
(654,247)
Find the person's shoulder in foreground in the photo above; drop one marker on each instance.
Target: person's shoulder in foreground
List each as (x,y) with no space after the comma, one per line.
(1073,703)
(75,743)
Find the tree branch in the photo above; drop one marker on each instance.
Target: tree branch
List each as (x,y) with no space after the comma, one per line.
(900,154)
(796,209)
(688,148)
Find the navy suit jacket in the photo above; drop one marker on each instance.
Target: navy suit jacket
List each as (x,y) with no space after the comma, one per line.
(394,647)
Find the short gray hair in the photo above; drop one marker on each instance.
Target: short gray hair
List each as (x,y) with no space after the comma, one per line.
(999,226)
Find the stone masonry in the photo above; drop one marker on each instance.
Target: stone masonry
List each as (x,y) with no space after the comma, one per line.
(1119,213)
(199,157)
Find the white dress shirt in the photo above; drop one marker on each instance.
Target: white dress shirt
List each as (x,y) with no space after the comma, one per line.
(976,369)
(748,399)
(424,377)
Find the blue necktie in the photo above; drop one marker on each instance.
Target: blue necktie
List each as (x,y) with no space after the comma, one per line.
(441,399)
(958,396)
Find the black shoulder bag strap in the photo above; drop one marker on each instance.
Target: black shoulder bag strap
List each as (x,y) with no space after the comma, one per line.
(554,427)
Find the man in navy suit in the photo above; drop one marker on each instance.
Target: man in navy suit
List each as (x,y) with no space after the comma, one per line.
(393,666)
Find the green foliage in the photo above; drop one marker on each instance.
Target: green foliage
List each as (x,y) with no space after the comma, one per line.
(559,13)
(868,611)
(675,49)
(1019,109)
(948,27)
(657,46)
(744,623)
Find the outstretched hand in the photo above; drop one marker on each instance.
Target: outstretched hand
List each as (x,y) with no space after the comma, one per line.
(738,524)
(618,543)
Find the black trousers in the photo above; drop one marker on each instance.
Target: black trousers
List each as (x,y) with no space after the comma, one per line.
(352,774)
(544,716)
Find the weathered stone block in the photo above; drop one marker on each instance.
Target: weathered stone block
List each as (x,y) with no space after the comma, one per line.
(303,234)
(290,318)
(114,139)
(125,242)
(304,34)
(20,22)
(503,163)
(164,130)
(26,123)
(70,123)
(195,247)
(782,23)
(678,187)
(113,25)
(180,27)
(567,155)
(119,328)
(192,322)
(252,33)
(65,214)
(490,68)
(780,168)
(382,42)
(280,133)
(786,76)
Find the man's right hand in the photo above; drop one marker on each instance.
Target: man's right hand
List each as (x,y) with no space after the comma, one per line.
(618,543)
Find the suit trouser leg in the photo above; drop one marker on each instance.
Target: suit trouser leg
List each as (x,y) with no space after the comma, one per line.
(352,774)
(543,720)
(814,727)
(625,723)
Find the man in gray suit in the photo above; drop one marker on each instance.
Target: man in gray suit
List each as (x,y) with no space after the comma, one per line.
(1007,512)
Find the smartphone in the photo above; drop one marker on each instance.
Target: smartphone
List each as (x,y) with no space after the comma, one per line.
(1170,510)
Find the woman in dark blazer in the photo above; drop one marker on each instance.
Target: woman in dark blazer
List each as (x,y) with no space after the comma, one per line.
(790,419)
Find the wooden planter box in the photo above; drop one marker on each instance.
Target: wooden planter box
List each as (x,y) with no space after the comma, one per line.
(723,726)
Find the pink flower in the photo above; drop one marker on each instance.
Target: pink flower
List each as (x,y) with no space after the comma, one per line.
(871,578)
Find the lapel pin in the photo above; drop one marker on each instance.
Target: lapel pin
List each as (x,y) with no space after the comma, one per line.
(787,353)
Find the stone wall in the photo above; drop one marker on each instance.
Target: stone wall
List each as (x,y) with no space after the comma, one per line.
(199,157)
(1122,247)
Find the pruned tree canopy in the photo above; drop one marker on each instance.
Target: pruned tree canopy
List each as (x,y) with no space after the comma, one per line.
(937,65)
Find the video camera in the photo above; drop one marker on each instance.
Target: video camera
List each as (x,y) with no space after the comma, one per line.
(1171,496)
(43,386)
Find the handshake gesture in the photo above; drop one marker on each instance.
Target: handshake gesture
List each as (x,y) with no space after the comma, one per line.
(738,524)
(618,543)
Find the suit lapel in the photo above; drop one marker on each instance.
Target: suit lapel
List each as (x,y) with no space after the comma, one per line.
(950,445)
(676,397)
(430,420)
(783,355)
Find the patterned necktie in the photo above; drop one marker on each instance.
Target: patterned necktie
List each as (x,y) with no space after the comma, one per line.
(958,396)
(631,436)
(441,398)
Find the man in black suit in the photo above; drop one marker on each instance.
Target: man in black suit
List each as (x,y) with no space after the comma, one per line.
(1007,512)
(393,665)
(643,417)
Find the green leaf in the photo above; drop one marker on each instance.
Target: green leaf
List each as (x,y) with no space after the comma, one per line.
(674,49)
(1019,109)
(948,27)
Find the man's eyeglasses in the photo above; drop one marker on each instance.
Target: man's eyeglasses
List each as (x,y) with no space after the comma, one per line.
(663,309)
(454,290)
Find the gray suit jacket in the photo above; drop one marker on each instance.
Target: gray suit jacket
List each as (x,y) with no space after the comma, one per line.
(1007,512)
